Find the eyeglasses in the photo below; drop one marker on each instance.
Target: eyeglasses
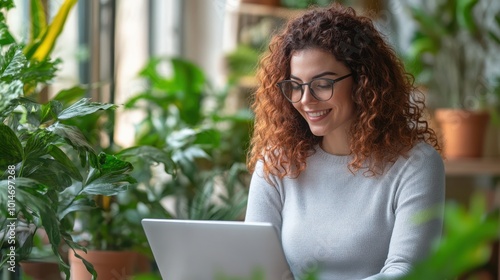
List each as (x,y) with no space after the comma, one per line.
(321,88)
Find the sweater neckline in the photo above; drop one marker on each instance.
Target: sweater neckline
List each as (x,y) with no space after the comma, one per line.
(333,158)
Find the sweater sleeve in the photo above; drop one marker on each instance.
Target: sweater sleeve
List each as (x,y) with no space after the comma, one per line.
(264,200)
(418,207)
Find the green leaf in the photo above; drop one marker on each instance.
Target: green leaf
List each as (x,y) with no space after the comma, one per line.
(427,23)
(183,90)
(7,4)
(208,138)
(110,164)
(8,93)
(180,138)
(108,185)
(71,95)
(38,20)
(38,144)
(83,107)
(65,161)
(43,71)
(72,200)
(50,110)
(5,37)
(422,44)
(465,15)
(72,135)
(11,150)
(150,154)
(14,66)
(161,101)
(109,177)
(150,71)
(29,193)
(48,172)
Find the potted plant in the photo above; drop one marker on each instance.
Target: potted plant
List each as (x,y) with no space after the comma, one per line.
(49,170)
(50,173)
(449,57)
(112,232)
(24,66)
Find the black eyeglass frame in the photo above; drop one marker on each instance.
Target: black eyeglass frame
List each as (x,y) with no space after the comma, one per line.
(333,81)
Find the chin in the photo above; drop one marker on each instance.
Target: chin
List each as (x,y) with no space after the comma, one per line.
(317,132)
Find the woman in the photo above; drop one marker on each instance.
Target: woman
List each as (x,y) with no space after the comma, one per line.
(343,162)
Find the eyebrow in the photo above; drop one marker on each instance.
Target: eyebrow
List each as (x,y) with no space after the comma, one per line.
(315,76)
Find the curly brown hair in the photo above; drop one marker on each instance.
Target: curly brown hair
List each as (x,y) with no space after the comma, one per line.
(389,110)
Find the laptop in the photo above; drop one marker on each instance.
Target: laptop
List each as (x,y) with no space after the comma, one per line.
(216,250)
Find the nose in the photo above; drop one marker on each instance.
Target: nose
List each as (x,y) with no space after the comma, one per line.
(307,97)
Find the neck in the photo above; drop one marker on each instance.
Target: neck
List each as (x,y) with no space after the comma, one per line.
(336,145)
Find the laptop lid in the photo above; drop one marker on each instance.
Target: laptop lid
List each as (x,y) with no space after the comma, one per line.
(218,250)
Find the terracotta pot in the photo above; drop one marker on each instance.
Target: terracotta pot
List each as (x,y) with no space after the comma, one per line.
(41,270)
(463,132)
(109,265)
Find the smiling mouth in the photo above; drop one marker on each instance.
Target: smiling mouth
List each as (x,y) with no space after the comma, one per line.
(318,113)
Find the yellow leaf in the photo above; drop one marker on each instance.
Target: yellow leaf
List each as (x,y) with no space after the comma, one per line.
(53,31)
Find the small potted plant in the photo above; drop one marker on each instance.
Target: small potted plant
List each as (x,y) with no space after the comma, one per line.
(449,56)
(112,232)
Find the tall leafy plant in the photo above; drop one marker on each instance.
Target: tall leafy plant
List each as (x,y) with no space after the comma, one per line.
(185,118)
(450,47)
(48,169)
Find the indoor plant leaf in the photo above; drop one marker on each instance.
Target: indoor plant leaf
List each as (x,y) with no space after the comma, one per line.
(38,19)
(11,150)
(7,4)
(150,72)
(108,185)
(110,164)
(38,144)
(65,161)
(109,177)
(8,93)
(427,23)
(5,37)
(465,14)
(83,107)
(40,204)
(50,111)
(76,205)
(150,154)
(72,200)
(71,95)
(72,135)
(13,64)
(48,172)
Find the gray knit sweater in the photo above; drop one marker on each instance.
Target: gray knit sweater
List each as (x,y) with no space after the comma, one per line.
(349,226)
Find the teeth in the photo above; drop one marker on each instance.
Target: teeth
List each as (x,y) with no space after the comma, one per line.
(317,114)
